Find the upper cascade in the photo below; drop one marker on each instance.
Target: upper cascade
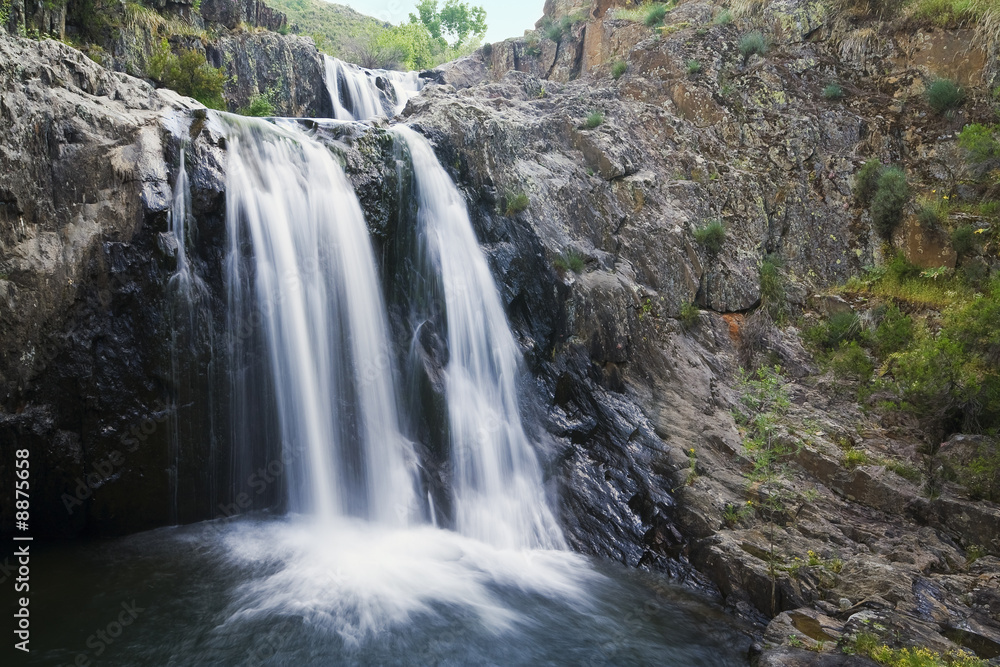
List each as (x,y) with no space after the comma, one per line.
(363,94)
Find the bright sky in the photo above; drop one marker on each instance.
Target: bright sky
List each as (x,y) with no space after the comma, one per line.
(504,18)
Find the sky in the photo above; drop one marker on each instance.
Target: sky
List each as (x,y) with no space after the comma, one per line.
(504,18)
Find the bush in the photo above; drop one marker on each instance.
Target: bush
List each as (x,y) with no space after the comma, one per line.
(570,260)
(772,289)
(833,92)
(889,200)
(260,105)
(982,477)
(952,379)
(866,181)
(725,17)
(850,361)
(618,69)
(711,236)
(900,270)
(752,43)
(931,214)
(189,74)
(979,142)
(689,314)
(963,239)
(693,67)
(893,333)
(514,203)
(944,95)
(594,118)
(654,14)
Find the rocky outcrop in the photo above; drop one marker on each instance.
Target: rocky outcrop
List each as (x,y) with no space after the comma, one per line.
(289,70)
(231,13)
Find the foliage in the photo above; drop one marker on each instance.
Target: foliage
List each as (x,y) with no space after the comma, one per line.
(963,239)
(570,260)
(654,13)
(514,203)
(455,19)
(555,30)
(711,236)
(980,142)
(618,69)
(689,314)
(982,476)
(772,289)
(261,104)
(890,198)
(752,43)
(725,17)
(693,67)
(188,73)
(944,95)
(870,645)
(953,378)
(866,181)
(893,333)
(840,328)
(850,361)
(932,213)
(833,91)
(594,118)
(763,401)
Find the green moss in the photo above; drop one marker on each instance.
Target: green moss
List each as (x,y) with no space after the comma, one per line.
(833,91)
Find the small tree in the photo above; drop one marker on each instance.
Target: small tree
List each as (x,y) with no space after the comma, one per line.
(456,19)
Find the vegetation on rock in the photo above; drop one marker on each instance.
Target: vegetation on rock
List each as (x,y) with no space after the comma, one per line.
(711,236)
(189,74)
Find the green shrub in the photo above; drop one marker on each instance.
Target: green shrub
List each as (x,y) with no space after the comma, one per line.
(944,95)
(890,198)
(618,69)
(514,203)
(963,239)
(772,289)
(693,67)
(930,214)
(839,328)
(189,74)
(850,361)
(711,236)
(855,457)
(261,105)
(725,17)
(833,91)
(654,14)
(555,30)
(866,181)
(594,118)
(570,260)
(752,43)
(982,477)
(979,142)
(952,380)
(689,314)
(894,332)
(899,269)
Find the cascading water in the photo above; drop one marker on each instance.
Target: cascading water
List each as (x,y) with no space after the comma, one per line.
(498,493)
(290,208)
(362,94)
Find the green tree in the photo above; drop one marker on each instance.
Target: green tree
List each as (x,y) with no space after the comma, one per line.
(456,19)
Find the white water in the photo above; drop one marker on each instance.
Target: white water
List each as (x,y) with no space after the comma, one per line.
(356,95)
(317,291)
(498,491)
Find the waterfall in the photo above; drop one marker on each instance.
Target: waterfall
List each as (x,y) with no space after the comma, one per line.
(499,497)
(362,94)
(297,235)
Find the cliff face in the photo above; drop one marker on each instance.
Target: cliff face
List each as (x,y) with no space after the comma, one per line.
(598,274)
